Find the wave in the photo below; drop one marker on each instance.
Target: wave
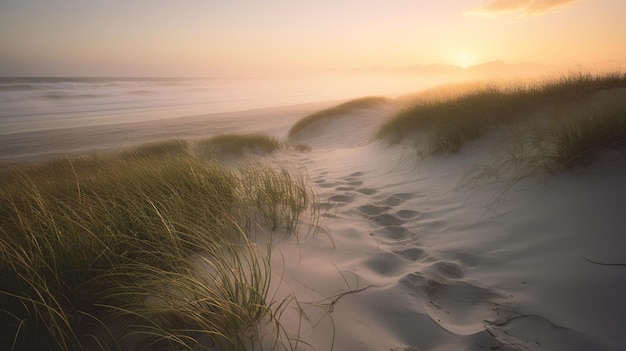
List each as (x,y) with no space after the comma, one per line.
(38,98)
(32,98)
(61,96)
(16,87)
(47,83)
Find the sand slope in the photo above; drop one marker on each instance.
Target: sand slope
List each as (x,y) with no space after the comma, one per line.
(418,262)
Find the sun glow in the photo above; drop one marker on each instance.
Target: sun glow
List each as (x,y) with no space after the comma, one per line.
(465,59)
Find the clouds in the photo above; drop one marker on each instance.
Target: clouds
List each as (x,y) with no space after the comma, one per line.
(522,7)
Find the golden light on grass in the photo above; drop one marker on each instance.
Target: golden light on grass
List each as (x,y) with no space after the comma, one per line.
(437,124)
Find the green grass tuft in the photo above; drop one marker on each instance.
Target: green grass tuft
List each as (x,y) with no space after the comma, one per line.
(116,251)
(577,138)
(300,147)
(361,103)
(278,196)
(446,124)
(176,147)
(565,138)
(237,145)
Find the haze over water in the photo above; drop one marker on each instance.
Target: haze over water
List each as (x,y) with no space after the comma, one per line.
(49,103)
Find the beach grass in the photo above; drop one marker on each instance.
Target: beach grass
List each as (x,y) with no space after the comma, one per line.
(125,250)
(576,138)
(436,125)
(237,145)
(443,124)
(361,103)
(172,147)
(278,196)
(300,147)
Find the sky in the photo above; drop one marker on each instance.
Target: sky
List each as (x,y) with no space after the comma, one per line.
(246,37)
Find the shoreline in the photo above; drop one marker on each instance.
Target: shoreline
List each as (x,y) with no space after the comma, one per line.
(37,145)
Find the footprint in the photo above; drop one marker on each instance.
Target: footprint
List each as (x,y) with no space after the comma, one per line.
(392,200)
(355,182)
(413,281)
(462,307)
(344,188)
(356,174)
(367,191)
(394,234)
(418,283)
(372,210)
(459,299)
(468,259)
(385,264)
(405,196)
(446,269)
(411,254)
(323,184)
(386,220)
(342,198)
(324,206)
(407,214)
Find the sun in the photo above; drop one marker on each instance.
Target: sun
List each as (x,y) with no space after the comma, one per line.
(465,59)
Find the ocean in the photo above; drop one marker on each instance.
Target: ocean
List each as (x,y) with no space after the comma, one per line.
(42,118)
(29,104)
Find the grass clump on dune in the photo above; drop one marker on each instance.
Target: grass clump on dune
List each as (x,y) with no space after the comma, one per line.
(238,144)
(110,252)
(309,120)
(577,138)
(445,125)
(175,147)
(572,140)
(278,197)
(300,147)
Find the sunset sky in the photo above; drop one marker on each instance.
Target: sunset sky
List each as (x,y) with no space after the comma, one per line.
(208,38)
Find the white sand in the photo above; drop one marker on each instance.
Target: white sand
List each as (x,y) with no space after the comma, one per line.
(408,260)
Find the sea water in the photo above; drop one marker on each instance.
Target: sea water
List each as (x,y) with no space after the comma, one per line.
(41,103)
(29,104)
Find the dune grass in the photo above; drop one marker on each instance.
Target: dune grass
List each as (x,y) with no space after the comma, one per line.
(238,144)
(571,141)
(119,251)
(576,138)
(446,124)
(173,147)
(277,195)
(365,102)
(300,147)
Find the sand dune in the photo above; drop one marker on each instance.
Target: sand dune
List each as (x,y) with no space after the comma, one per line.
(445,272)
(419,262)
(407,259)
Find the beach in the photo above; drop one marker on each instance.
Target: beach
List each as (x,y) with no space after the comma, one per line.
(42,117)
(46,142)
(313,176)
(408,255)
